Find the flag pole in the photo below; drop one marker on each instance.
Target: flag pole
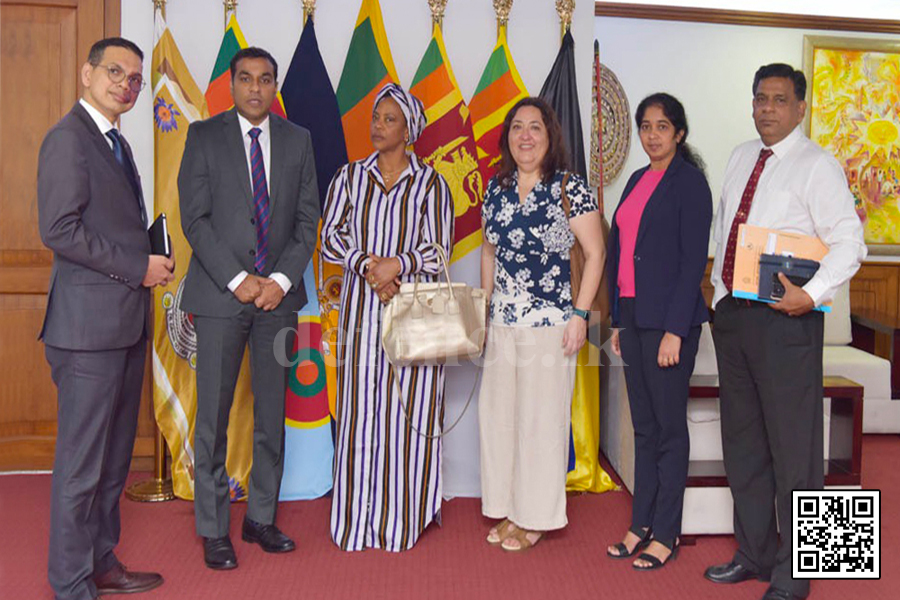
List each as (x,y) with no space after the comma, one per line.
(565,9)
(502,8)
(437,13)
(159,487)
(309,7)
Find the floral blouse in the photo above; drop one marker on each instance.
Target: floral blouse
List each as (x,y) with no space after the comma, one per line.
(531,269)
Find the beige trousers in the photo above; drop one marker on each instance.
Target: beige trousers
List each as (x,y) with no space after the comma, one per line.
(525,411)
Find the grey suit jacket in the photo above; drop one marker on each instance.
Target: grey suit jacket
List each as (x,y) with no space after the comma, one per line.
(89,216)
(217,213)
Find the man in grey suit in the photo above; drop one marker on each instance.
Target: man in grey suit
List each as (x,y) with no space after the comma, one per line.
(91,214)
(249,209)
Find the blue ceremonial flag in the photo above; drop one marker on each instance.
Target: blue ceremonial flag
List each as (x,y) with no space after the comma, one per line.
(310,102)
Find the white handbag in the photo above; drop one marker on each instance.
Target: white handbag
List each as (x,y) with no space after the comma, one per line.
(434,323)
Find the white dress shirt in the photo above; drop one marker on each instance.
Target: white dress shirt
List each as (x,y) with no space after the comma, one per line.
(802,190)
(102,122)
(265,146)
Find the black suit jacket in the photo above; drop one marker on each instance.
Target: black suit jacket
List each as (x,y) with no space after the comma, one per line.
(671,251)
(89,215)
(217,213)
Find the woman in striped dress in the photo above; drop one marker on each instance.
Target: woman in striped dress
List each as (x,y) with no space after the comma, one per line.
(381,215)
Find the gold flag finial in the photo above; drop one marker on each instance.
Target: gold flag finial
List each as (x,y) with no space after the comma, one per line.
(230,7)
(565,9)
(437,11)
(309,8)
(160,5)
(502,8)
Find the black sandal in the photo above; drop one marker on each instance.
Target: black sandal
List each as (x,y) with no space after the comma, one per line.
(643,533)
(655,563)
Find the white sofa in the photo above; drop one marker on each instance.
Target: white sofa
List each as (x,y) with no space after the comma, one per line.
(708,510)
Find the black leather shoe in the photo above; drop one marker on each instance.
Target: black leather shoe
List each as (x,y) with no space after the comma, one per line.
(218,553)
(268,537)
(774,593)
(120,580)
(731,573)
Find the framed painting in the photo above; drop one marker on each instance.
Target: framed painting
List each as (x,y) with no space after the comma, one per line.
(854,113)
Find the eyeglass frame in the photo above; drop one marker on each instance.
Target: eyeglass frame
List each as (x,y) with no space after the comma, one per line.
(109,73)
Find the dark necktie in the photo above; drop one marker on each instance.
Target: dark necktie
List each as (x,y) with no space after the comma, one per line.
(260,200)
(122,159)
(740,217)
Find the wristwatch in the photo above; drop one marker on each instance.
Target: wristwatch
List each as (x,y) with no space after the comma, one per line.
(582,313)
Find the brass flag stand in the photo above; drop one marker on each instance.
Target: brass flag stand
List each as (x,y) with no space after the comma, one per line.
(159,487)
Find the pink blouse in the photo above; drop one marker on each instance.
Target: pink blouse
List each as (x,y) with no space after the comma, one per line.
(628,218)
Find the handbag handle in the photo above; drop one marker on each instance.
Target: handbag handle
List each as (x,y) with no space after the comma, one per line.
(408,416)
(452,303)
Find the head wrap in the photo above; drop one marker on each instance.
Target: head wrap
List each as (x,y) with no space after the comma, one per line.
(411,107)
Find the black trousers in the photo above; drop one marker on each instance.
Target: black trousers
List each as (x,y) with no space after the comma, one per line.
(770,380)
(658,400)
(220,351)
(98,398)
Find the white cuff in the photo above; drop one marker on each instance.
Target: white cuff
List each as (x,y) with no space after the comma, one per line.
(235,283)
(282,280)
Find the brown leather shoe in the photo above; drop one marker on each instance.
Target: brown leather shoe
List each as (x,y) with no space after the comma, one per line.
(119,580)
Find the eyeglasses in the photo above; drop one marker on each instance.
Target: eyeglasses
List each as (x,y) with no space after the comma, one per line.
(135,83)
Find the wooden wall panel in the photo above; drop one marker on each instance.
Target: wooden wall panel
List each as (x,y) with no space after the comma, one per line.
(42,45)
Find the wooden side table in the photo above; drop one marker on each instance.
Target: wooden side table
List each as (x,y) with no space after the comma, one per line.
(844,462)
(866,324)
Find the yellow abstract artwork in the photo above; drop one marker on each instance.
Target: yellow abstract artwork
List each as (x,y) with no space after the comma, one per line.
(855,114)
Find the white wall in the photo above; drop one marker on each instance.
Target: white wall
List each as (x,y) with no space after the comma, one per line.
(470,34)
(708,67)
(860,9)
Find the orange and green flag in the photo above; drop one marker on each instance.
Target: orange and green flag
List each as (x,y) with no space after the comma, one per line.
(218,94)
(499,88)
(367,68)
(448,143)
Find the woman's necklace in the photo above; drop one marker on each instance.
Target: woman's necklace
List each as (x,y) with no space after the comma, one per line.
(390,177)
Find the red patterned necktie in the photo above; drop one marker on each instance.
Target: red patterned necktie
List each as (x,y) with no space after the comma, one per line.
(260,200)
(740,217)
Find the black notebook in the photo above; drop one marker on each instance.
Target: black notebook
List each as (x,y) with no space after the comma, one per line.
(160,242)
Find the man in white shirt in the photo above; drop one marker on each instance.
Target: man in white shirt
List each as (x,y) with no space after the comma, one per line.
(249,209)
(770,355)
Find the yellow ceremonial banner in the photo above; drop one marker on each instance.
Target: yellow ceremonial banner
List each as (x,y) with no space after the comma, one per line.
(178,102)
(588,475)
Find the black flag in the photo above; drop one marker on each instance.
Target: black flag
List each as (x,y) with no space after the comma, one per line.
(561,93)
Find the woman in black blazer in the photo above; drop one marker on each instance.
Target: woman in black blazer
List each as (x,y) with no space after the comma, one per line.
(658,248)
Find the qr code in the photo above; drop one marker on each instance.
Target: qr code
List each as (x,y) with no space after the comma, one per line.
(837,534)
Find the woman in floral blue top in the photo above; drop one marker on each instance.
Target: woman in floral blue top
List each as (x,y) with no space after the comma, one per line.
(536,328)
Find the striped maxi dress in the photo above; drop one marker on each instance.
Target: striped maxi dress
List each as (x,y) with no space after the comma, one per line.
(387,477)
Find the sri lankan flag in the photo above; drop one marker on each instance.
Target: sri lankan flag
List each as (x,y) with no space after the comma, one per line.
(367,68)
(218,94)
(448,144)
(177,102)
(499,88)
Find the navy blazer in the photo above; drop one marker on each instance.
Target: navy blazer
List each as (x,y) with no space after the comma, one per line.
(671,251)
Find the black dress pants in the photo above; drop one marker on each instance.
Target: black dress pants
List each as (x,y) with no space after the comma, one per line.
(658,400)
(770,380)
